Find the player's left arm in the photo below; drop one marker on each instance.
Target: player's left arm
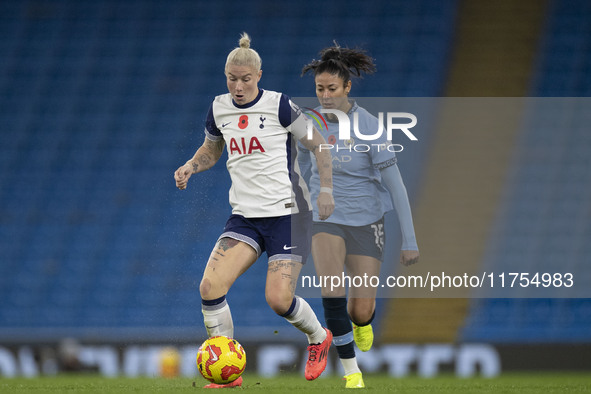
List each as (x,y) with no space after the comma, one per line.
(324,164)
(392,180)
(292,118)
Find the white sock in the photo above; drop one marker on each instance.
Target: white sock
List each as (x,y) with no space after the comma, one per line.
(304,319)
(218,319)
(350,365)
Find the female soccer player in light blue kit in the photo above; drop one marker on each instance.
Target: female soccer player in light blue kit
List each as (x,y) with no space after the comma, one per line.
(367,183)
(268,198)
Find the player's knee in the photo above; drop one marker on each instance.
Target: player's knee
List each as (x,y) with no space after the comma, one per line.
(361,316)
(279,302)
(205,288)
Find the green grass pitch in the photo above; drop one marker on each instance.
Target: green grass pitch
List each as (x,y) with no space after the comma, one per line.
(508,383)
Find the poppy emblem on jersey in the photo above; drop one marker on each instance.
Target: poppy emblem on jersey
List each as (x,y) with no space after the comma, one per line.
(262,126)
(332,139)
(243,122)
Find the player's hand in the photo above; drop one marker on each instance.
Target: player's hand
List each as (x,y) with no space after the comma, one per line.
(325,204)
(409,257)
(182,175)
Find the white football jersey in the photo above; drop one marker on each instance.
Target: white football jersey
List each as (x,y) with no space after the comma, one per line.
(262,161)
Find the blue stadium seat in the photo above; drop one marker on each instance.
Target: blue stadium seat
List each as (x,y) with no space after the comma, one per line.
(543,223)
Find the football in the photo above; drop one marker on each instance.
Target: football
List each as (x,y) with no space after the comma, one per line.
(221,359)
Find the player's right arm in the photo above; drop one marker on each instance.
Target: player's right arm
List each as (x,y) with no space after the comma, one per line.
(205,157)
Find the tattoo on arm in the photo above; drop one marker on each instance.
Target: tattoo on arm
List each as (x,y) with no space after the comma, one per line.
(204,160)
(220,147)
(195,167)
(210,152)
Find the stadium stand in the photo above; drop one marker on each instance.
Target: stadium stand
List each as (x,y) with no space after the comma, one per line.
(543,220)
(468,161)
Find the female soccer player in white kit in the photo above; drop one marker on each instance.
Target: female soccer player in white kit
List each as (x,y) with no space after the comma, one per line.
(366,185)
(268,199)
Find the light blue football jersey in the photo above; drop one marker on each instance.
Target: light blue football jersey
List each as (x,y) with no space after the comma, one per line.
(360,198)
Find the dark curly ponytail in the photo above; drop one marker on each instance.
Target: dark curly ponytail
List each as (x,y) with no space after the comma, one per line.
(343,62)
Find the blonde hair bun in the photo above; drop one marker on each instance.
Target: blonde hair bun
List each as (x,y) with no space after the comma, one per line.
(244,55)
(244,41)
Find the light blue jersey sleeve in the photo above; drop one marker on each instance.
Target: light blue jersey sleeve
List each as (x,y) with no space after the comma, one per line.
(392,180)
